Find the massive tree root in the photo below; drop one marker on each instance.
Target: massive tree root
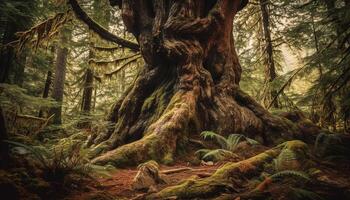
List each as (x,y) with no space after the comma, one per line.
(190,83)
(232,177)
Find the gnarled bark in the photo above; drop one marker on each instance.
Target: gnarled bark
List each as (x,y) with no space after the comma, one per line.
(190,83)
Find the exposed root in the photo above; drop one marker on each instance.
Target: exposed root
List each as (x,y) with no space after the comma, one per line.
(159,142)
(229,178)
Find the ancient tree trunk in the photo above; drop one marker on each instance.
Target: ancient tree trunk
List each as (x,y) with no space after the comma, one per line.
(270,70)
(60,77)
(190,83)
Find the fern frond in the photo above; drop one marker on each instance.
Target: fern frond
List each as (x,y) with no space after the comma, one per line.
(251,141)
(233,140)
(200,153)
(283,158)
(212,135)
(38,153)
(290,174)
(217,155)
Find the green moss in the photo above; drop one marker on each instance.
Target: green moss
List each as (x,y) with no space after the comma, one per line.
(168,159)
(295,145)
(97,150)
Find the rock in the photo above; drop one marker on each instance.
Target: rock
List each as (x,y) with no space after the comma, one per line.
(147,177)
(20,151)
(209,163)
(152,189)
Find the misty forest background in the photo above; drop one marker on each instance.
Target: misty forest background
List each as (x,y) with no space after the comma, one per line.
(296,50)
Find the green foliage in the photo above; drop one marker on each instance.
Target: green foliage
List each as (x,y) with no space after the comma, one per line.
(222,141)
(290,174)
(284,158)
(231,142)
(15,97)
(57,163)
(215,155)
(228,146)
(330,146)
(292,156)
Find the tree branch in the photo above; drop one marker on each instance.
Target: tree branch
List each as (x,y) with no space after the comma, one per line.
(102,32)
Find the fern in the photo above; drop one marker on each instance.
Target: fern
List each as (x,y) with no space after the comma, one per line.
(289,173)
(39,153)
(200,153)
(228,146)
(330,146)
(218,154)
(211,135)
(58,162)
(231,142)
(285,156)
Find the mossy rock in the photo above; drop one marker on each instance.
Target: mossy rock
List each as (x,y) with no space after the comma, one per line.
(293,155)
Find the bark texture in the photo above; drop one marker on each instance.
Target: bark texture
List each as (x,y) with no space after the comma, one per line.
(88,90)
(46,90)
(59,79)
(190,83)
(4,151)
(270,69)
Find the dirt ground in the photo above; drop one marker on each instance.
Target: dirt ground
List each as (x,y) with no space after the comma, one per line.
(334,176)
(118,185)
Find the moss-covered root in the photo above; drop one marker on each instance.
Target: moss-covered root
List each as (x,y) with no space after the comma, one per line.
(225,178)
(159,142)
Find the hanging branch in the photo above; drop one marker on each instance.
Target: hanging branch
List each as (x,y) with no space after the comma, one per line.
(102,32)
(115,62)
(41,32)
(291,78)
(107,49)
(109,75)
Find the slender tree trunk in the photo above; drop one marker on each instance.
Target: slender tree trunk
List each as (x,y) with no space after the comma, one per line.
(190,83)
(11,66)
(46,90)
(4,152)
(19,69)
(270,70)
(88,91)
(87,101)
(59,80)
(95,99)
(7,54)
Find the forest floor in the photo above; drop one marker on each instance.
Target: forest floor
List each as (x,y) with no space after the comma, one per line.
(332,180)
(118,184)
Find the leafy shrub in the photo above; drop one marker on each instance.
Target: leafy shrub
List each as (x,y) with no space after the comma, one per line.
(57,163)
(331,146)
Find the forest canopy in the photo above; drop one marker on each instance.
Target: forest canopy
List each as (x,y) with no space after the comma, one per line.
(214,99)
